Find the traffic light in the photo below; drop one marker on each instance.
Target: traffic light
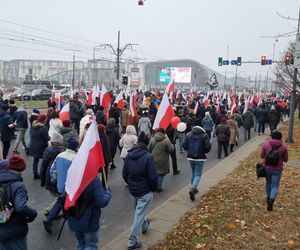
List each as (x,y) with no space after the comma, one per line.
(287,59)
(220,61)
(263,60)
(239,61)
(125,80)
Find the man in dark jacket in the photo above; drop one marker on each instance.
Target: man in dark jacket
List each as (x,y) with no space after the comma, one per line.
(112,131)
(87,226)
(261,116)
(248,119)
(139,173)
(6,129)
(100,116)
(20,119)
(13,233)
(171,133)
(114,112)
(223,136)
(196,159)
(76,112)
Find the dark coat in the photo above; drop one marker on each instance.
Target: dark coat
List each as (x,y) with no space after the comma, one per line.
(223,133)
(114,113)
(68,133)
(248,118)
(105,148)
(262,114)
(20,118)
(17,226)
(139,171)
(113,134)
(95,197)
(38,140)
(273,117)
(76,110)
(6,120)
(49,156)
(101,118)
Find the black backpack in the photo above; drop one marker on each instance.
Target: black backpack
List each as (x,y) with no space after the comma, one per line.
(75,211)
(6,206)
(195,149)
(273,157)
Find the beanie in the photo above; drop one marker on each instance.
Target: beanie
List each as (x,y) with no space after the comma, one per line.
(42,118)
(16,163)
(57,138)
(143,138)
(66,123)
(72,144)
(35,112)
(276,135)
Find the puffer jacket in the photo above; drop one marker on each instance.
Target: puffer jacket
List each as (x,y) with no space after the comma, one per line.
(223,132)
(125,117)
(160,146)
(248,118)
(128,140)
(6,126)
(145,125)
(17,226)
(38,140)
(20,118)
(282,150)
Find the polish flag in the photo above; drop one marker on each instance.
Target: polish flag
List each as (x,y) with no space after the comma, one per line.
(171,87)
(82,92)
(60,101)
(92,95)
(105,99)
(196,108)
(178,93)
(233,107)
(52,95)
(119,100)
(65,113)
(85,166)
(164,114)
(205,100)
(247,106)
(132,104)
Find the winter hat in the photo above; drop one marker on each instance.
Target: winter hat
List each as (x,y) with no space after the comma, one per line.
(143,139)
(66,123)
(111,121)
(223,120)
(276,135)
(101,128)
(90,112)
(56,138)
(35,112)
(16,163)
(72,144)
(42,118)
(4,164)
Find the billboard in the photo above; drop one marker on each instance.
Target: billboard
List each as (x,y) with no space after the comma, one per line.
(178,74)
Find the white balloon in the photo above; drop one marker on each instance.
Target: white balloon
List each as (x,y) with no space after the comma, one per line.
(181,127)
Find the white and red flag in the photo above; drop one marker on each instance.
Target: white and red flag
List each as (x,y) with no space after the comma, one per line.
(65,113)
(132,104)
(105,98)
(120,100)
(164,114)
(196,108)
(82,92)
(85,166)
(52,95)
(91,100)
(171,87)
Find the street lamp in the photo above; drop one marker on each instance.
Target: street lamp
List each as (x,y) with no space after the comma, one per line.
(73,77)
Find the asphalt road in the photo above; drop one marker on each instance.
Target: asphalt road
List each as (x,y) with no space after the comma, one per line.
(116,217)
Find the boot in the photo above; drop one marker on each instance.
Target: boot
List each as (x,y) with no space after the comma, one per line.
(192,194)
(48,226)
(270,205)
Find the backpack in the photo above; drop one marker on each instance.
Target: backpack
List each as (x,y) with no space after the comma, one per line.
(273,157)
(75,211)
(195,148)
(6,207)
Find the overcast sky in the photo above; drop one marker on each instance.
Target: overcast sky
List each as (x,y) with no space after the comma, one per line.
(164,29)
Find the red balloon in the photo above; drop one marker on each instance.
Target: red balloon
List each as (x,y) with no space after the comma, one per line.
(175,121)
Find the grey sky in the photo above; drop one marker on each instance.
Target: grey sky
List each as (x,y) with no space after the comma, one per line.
(166,29)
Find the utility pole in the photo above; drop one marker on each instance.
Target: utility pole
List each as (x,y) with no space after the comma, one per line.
(293,97)
(235,79)
(255,86)
(118,53)
(73,75)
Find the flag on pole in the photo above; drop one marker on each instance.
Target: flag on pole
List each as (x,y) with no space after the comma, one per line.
(196,108)
(171,87)
(164,114)
(132,104)
(119,100)
(82,92)
(105,99)
(52,95)
(85,166)
(65,113)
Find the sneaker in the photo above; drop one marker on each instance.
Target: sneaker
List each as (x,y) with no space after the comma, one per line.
(137,245)
(145,230)
(48,226)
(192,195)
(113,166)
(177,172)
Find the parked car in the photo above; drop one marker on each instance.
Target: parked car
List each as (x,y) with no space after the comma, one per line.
(41,94)
(17,94)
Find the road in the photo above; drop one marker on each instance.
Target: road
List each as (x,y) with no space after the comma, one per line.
(116,217)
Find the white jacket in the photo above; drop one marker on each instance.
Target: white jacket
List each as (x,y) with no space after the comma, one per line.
(55,125)
(128,140)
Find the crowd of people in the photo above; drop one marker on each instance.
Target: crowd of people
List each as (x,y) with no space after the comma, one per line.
(53,145)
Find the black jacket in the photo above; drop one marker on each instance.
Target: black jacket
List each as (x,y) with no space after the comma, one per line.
(113,134)
(20,118)
(5,130)
(38,140)
(101,118)
(76,110)
(114,113)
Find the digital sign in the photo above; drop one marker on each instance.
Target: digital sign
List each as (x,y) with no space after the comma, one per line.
(178,74)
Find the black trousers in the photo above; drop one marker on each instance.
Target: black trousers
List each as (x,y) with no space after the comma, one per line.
(174,160)
(223,145)
(6,146)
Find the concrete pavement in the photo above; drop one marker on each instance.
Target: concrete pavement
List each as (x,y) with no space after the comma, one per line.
(165,216)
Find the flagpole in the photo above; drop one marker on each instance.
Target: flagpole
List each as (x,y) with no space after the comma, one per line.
(104,178)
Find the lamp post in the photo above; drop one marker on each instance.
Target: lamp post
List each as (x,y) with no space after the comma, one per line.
(73,75)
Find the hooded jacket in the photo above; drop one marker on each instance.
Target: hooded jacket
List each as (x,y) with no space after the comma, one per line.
(20,118)
(139,171)
(38,140)
(145,125)
(128,140)
(112,131)
(5,121)
(17,226)
(68,133)
(282,150)
(248,118)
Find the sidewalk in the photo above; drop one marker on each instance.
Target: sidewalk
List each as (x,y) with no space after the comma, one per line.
(164,217)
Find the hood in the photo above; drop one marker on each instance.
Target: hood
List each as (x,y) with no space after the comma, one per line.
(137,152)
(275,142)
(20,109)
(10,176)
(130,130)
(198,130)
(110,128)
(37,125)
(159,136)
(65,130)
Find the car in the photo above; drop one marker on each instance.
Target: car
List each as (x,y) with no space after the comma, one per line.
(17,94)
(41,94)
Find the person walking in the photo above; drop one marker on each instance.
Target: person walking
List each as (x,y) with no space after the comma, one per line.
(172,135)
(161,147)
(144,123)
(7,129)
(112,131)
(67,132)
(273,118)
(139,173)
(55,124)
(128,140)
(124,118)
(223,136)
(261,116)
(13,233)
(85,120)
(248,123)
(197,144)
(20,119)
(273,167)
(208,124)
(234,132)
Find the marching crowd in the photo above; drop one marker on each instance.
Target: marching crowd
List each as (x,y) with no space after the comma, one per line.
(53,144)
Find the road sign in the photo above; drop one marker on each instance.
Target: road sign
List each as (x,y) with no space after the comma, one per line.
(297,53)
(225,62)
(233,62)
(268,62)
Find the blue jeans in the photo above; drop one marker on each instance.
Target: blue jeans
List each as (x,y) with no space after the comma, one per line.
(55,210)
(272,183)
(87,241)
(180,140)
(16,244)
(196,167)
(140,205)
(35,166)
(160,179)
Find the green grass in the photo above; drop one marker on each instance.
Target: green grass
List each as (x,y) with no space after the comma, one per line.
(31,104)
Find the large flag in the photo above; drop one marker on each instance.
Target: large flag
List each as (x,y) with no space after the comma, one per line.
(119,100)
(85,166)
(82,92)
(164,114)
(65,113)
(91,100)
(171,87)
(132,104)
(52,95)
(105,99)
